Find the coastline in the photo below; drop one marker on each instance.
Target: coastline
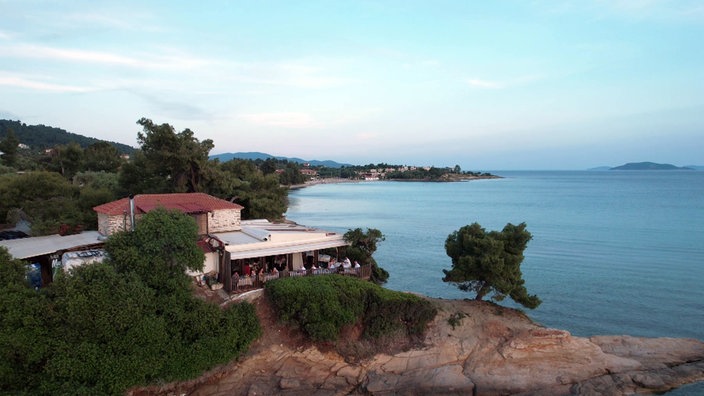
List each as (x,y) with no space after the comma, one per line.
(448,179)
(471,347)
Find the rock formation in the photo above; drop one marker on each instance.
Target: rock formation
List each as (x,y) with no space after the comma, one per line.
(470,348)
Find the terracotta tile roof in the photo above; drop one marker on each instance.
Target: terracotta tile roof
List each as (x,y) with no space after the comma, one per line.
(185,202)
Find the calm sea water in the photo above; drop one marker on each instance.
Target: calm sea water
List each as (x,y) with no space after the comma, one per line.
(613,252)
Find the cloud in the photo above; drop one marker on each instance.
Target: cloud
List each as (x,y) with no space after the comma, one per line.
(477,83)
(366,136)
(174,109)
(286,120)
(506,83)
(176,61)
(20,82)
(629,9)
(288,73)
(132,21)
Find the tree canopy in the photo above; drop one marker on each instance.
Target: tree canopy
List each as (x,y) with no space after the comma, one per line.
(104,327)
(362,247)
(490,262)
(160,250)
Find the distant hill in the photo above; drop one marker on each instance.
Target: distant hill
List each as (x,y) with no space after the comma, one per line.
(263,156)
(600,168)
(695,167)
(39,137)
(648,166)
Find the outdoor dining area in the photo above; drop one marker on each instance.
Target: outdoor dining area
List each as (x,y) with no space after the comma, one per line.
(254,274)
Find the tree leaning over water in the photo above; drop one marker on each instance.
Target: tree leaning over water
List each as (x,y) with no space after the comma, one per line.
(486,262)
(362,247)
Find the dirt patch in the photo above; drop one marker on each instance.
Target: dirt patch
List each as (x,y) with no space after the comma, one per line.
(273,331)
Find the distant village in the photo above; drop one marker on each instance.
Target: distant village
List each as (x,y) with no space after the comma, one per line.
(390,172)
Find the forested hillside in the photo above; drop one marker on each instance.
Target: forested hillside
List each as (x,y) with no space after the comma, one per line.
(41,136)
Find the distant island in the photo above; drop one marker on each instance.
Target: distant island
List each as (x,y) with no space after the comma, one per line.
(648,166)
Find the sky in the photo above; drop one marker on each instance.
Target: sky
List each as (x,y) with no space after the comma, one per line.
(487,85)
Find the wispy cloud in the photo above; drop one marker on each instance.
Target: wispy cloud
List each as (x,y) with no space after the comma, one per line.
(176,61)
(287,120)
(21,82)
(288,73)
(486,84)
(504,83)
(630,9)
(131,21)
(174,108)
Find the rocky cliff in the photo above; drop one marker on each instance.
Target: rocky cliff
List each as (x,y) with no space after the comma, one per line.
(470,348)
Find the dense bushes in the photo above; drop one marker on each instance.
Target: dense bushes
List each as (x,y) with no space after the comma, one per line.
(322,305)
(107,327)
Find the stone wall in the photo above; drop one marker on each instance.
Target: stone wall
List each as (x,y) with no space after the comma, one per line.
(218,221)
(108,225)
(224,220)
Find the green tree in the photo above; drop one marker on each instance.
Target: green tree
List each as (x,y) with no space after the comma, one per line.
(9,146)
(486,262)
(25,337)
(362,247)
(101,328)
(102,157)
(160,250)
(177,157)
(136,177)
(261,195)
(68,159)
(47,199)
(112,336)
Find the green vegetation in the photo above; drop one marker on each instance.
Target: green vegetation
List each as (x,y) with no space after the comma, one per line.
(362,247)
(399,172)
(133,320)
(322,305)
(43,137)
(456,319)
(486,262)
(55,187)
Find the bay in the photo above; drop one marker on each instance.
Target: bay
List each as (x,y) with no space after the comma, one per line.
(612,252)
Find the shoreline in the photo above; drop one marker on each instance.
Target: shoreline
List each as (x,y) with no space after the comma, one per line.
(471,347)
(337,180)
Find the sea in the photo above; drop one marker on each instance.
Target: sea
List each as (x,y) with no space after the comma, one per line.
(613,252)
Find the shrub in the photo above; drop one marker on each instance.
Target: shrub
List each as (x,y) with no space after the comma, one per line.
(110,326)
(322,305)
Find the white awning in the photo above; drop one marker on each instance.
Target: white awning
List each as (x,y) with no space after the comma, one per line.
(263,250)
(39,246)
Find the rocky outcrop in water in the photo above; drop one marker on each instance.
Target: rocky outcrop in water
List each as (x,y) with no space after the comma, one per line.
(470,348)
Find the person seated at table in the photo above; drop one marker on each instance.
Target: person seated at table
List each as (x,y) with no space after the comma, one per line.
(235,279)
(356,264)
(333,264)
(347,263)
(246,269)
